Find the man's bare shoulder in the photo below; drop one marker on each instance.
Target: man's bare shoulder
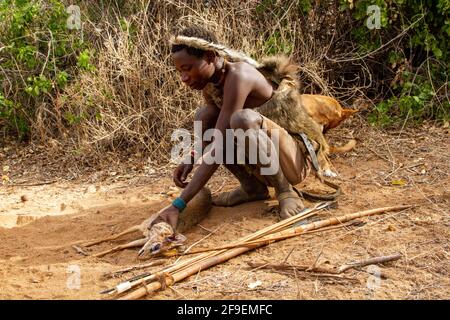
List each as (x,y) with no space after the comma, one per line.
(244,71)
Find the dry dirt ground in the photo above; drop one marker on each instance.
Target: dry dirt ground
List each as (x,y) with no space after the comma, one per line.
(409,166)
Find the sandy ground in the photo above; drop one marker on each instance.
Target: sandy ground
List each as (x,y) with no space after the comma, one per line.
(409,166)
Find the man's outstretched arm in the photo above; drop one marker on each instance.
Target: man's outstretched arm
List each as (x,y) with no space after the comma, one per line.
(236,91)
(182,171)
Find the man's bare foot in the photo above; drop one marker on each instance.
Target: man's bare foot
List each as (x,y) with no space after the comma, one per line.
(238,196)
(290,204)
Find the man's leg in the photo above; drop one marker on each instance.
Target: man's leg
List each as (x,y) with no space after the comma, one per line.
(251,189)
(290,203)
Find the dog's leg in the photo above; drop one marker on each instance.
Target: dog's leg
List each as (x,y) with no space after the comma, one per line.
(132,244)
(325,165)
(114,237)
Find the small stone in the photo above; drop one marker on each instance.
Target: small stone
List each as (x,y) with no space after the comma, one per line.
(24,198)
(63,206)
(17,259)
(255,284)
(90,189)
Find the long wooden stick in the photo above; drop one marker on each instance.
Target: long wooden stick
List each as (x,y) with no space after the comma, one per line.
(264,241)
(178,276)
(228,254)
(294,232)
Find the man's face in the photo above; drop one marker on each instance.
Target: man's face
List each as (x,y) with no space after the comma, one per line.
(195,72)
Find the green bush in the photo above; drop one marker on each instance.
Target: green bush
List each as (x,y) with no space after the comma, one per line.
(420,59)
(38,58)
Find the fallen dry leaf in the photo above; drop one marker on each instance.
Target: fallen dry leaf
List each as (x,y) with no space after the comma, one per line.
(398,182)
(5,179)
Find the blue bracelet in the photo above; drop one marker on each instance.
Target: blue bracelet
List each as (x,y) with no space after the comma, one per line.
(179,204)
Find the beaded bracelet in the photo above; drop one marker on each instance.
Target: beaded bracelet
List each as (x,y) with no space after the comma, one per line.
(179,203)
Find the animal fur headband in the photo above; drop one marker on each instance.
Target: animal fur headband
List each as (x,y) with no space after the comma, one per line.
(221,50)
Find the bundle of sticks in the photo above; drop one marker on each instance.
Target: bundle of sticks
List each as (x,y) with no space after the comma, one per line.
(139,287)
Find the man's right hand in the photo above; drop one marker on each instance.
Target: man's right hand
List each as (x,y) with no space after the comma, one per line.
(180,174)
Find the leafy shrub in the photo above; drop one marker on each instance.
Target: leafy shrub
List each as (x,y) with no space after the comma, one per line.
(420,59)
(37,60)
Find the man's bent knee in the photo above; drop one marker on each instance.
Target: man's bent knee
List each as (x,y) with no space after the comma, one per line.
(245,119)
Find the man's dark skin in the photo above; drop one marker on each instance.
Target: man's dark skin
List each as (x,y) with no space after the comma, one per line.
(244,88)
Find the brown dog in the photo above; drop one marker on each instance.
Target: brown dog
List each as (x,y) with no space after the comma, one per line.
(327,113)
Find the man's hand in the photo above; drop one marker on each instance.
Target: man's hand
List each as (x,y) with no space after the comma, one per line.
(169,215)
(180,174)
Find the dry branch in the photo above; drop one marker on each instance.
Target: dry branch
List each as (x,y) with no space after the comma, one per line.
(32,184)
(109,275)
(367,262)
(341,269)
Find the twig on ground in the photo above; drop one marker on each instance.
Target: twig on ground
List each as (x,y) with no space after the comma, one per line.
(79,250)
(206,229)
(202,239)
(32,184)
(317,259)
(370,261)
(288,255)
(114,274)
(335,271)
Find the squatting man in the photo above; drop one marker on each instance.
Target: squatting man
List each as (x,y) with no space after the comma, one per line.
(232,89)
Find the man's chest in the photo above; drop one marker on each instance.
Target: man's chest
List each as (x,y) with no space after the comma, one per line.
(216,94)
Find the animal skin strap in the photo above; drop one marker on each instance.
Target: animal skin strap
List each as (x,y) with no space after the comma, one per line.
(311,151)
(312,196)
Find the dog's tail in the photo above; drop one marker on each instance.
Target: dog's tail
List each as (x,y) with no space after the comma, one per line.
(345,148)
